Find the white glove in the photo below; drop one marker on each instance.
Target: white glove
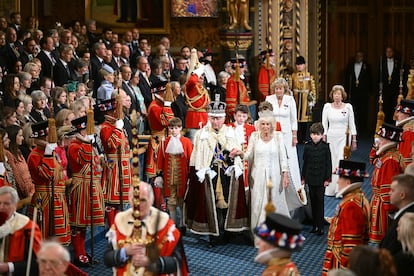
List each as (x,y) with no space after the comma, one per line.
(376,141)
(2,168)
(91,137)
(200,70)
(50,147)
(119,124)
(166,103)
(159,182)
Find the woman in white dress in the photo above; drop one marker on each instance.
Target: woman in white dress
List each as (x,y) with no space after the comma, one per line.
(284,111)
(338,120)
(267,162)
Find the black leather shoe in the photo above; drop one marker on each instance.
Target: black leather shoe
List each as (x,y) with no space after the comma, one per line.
(92,261)
(320,232)
(82,261)
(314,229)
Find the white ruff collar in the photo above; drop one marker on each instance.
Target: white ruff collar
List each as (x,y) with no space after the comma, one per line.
(174,145)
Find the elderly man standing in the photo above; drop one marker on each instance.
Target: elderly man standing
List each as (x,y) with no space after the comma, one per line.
(15,235)
(215,201)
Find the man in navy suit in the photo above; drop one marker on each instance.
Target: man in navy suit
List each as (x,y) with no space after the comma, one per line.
(144,83)
(358,85)
(63,70)
(402,196)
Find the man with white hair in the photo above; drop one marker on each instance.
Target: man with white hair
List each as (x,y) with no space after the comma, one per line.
(215,202)
(15,232)
(53,259)
(158,248)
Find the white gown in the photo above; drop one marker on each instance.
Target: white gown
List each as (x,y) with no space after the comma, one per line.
(286,115)
(267,160)
(335,122)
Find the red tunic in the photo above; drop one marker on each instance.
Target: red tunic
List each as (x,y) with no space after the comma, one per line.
(281,267)
(389,164)
(236,93)
(404,147)
(168,235)
(80,156)
(197,100)
(349,228)
(264,80)
(117,151)
(158,118)
(47,171)
(175,167)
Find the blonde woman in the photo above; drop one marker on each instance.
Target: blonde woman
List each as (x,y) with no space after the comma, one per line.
(404,261)
(284,112)
(337,117)
(267,159)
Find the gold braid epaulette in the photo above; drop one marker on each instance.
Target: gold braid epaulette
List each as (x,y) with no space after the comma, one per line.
(202,92)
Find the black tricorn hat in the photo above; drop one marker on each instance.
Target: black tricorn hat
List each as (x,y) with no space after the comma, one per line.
(80,123)
(281,231)
(390,132)
(159,86)
(105,105)
(406,106)
(40,129)
(350,168)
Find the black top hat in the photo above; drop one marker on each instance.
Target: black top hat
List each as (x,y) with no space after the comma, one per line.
(300,60)
(40,129)
(159,86)
(105,105)
(80,123)
(281,231)
(217,109)
(406,106)
(350,168)
(390,132)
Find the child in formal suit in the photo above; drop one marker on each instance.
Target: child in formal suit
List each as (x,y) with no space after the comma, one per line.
(316,172)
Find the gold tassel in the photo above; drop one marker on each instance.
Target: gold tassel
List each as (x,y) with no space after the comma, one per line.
(267,61)
(169,97)
(269,208)
(221,203)
(2,158)
(52,136)
(237,72)
(90,123)
(119,112)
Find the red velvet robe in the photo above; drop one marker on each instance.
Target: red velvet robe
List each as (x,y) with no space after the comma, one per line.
(197,99)
(80,156)
(117,150)
(168,235)
(46,171)
(349,228)
(175,167)
(388,164)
